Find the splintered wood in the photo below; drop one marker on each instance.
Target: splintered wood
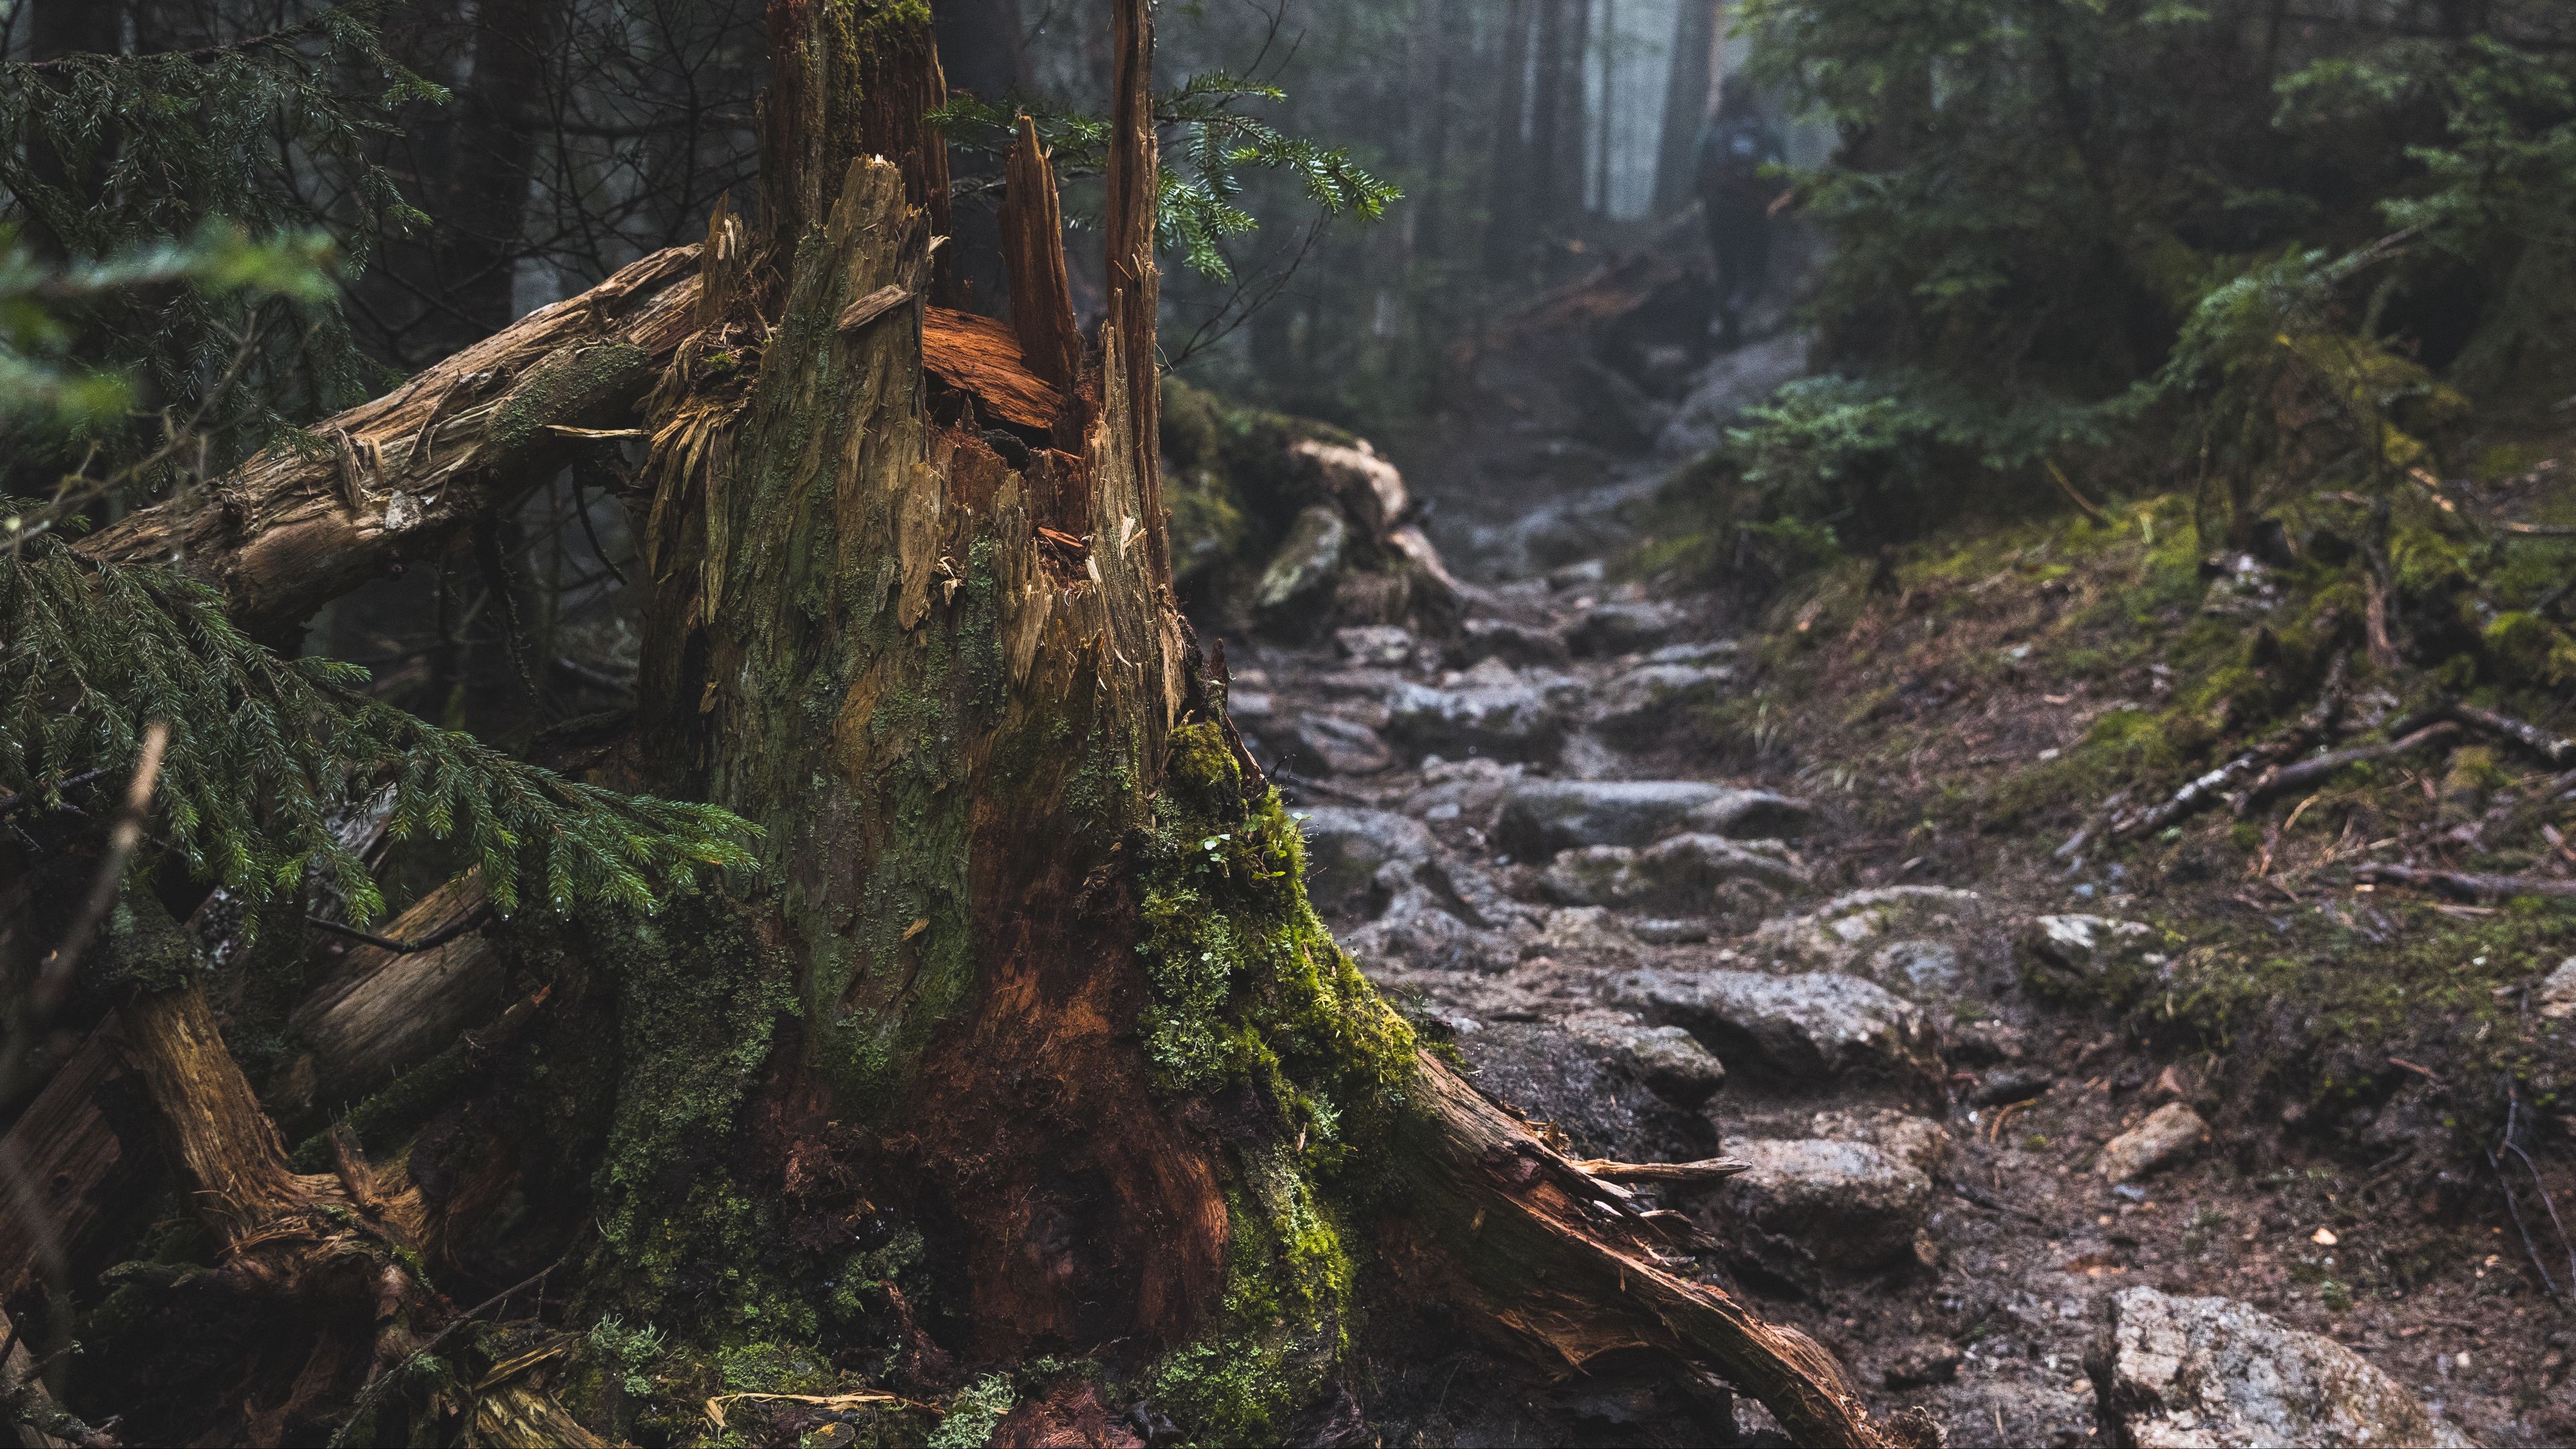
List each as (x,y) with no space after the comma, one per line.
(981,358)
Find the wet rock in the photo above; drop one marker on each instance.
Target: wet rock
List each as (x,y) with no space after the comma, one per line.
(1850,1205)
(1919,969)
(1522,646)
(1490,711)
(1582,932)
(1666,1058)
(1658,931)
(2063,954)
(1540,817)
(1809,1028)
(1642,706)
(1920,1364)
(1847,930)
(1323,744)
(1461,790)
(1306,561)
(1608,630)
(2169,1132)
(1345,848)
(1680,874)
(1418,931)
(2010,1084)
(1920,1141)
(2196,1373)
(1594,1096)
(1471,895)
(1389,646)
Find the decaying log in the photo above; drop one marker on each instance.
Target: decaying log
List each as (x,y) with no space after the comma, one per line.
(382,1013)
(68,1162)
(279,535)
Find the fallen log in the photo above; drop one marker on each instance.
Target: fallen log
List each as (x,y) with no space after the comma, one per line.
(2467,883)
(394,478)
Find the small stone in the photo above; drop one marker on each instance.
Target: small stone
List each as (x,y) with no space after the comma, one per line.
(1585,931)
(1666,1058)
(1810,1028)
(1520,645)
(1506,717)
(1540,817)
(1660,932)
(2010,1084)
(2169,1132)
(2183,1373)
(1345,847)
(1384,645)
(1919,1364)
(1323,744)
(1605,631)
(1851,1205)
(1640,707)
(2076,953)
(1919,968)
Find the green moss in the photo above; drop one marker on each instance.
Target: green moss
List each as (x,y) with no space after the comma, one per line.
(565,385)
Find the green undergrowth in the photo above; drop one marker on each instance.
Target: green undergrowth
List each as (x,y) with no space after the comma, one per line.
(1249,993)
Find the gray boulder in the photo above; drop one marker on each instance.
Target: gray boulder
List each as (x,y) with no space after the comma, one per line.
(1640,707)
(1844,933)
(1385,645)
(1852,1205)
(1683,874)
(1418,931)
(1595,1096)
(1540,817)
(1810,1028)
(1489,711)
(2198,1373)
(1522,646)
(1666,1058)
(1345,847)
(1605,631)
(1323,744)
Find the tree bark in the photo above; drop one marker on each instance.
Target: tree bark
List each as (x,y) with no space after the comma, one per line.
(1507,193)
(307,519)
(961,731)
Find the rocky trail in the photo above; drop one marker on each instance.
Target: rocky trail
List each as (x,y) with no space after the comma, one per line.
(1991,1207)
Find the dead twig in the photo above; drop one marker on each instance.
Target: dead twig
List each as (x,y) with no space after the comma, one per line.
(2558,751)
(2281,779)
(1971,1193)
(2508,1144)
(473,922)
(2466,883)
(55,977)
(1706,1170)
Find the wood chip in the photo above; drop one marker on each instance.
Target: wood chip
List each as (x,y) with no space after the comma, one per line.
(875,304)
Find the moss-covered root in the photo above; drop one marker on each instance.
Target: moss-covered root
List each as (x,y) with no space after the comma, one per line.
(1562,1263)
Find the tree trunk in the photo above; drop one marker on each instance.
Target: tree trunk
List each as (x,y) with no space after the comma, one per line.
(1507,204)
(1059,984)
(1052,991)
(1687,93)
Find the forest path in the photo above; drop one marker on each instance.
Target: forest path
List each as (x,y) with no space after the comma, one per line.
(1520,836)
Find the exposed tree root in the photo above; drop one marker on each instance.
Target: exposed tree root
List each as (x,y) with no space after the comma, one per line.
(1559,1262)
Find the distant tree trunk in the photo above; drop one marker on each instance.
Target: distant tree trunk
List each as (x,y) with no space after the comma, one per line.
(1507,208)
(58,28)
(979,47)
(1609,105)
(1688,93)
(1548,72)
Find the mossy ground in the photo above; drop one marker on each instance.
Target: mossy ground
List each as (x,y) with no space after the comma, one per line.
(1978,697)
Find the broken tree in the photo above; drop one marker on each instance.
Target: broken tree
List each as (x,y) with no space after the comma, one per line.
(1027,988)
